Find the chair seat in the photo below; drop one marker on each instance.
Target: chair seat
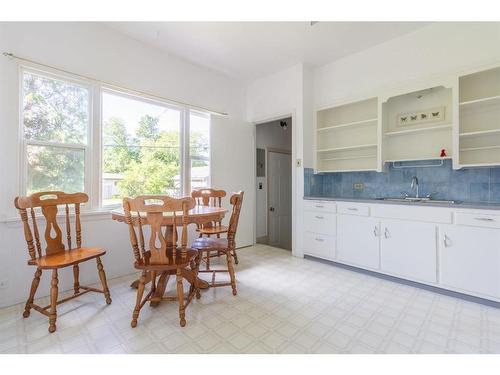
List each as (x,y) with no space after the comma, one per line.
(218,244)
(67,257)
(219,229)
(170,263)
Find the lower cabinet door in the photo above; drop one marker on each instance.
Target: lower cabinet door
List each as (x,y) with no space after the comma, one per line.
(408,249)
(470,259)
(319,245)
(358,240)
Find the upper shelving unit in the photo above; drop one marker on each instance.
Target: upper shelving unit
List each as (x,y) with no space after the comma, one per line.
(346,137)
(418,125)
(479,129)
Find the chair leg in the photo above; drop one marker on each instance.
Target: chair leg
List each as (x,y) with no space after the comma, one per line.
(180,296)
(235,256)
(207,261)
(104,283)
(230,268)
(196,272)
(138,301)
(34,287)
(53,301)
(76,273)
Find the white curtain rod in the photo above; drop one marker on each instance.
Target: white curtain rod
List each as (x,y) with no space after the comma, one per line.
(211,111)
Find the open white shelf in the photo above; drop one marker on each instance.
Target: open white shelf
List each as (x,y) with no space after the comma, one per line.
(479,125)
(355,147)
(348,170)
(350,158)
(418,141)
(480,132)
(489,99)
(372,121)
(465,149)
(347,137)
(418,130)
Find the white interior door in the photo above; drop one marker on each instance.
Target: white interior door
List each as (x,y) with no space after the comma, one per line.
(280,200)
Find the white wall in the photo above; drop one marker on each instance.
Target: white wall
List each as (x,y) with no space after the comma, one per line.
(275,96)
(269,135)
(435,50)
(94,50)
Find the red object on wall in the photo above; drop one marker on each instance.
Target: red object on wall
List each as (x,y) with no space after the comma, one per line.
(443,153)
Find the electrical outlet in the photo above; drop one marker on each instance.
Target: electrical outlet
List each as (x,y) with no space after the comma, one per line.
(358,186)
(298,163)
(4,284)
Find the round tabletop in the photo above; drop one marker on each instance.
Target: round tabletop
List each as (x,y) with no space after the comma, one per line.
(199,214)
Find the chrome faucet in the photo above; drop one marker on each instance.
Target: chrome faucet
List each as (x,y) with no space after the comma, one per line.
(414,184)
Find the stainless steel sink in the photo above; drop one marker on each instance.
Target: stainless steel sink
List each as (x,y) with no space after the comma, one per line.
(420,200)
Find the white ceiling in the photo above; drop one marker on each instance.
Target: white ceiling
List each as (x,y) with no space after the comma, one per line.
(248,50)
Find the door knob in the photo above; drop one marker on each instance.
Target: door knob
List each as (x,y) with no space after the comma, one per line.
(271,209)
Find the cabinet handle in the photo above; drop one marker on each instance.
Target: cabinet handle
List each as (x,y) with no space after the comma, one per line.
(484,219)
(352,209)
(319,206)
(375,231)
(319,217)
(446,241)
(386,233)
(319,239)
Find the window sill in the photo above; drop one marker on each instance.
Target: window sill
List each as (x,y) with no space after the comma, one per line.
(94,215)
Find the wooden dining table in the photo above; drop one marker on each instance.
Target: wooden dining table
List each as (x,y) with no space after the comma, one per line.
(198,215)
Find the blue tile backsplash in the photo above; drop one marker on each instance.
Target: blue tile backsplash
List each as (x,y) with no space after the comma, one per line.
(468,185)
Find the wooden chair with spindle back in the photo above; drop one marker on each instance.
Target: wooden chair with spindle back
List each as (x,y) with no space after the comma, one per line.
(160,255)
(213,198)
(56,255)
(224,245)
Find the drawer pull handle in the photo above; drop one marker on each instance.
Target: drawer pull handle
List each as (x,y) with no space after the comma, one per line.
(319,206)
(375,231)
(319,239)
(484,219)
(352,209)
(446,241)
(319,217)
(386,233)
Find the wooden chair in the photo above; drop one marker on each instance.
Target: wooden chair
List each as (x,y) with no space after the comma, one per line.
(213,198)
(224,245)
(56,255)
(161,256)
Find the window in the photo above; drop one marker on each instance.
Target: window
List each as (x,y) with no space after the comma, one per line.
(141,148)
(199,149)
(147,146)
(56,120)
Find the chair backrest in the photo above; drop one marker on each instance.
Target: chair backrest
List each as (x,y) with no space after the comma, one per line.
(208,197)
(236,201)
(150,211)
(48,202)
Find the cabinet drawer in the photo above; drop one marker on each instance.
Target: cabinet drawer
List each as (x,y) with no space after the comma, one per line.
(349,208)
(477,220)
(320,206)
(319,245)
(320,222)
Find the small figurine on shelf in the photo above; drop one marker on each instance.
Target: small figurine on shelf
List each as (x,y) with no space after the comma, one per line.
(443,153)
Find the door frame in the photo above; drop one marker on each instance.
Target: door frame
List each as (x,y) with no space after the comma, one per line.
(286,114)
(277,151)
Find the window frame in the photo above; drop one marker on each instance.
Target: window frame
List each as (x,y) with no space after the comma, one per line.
(93,148)
(25,143)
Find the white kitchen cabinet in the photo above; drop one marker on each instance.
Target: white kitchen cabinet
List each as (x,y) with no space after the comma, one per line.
(408,249)
(319,245)
(470,259)
(358,241)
